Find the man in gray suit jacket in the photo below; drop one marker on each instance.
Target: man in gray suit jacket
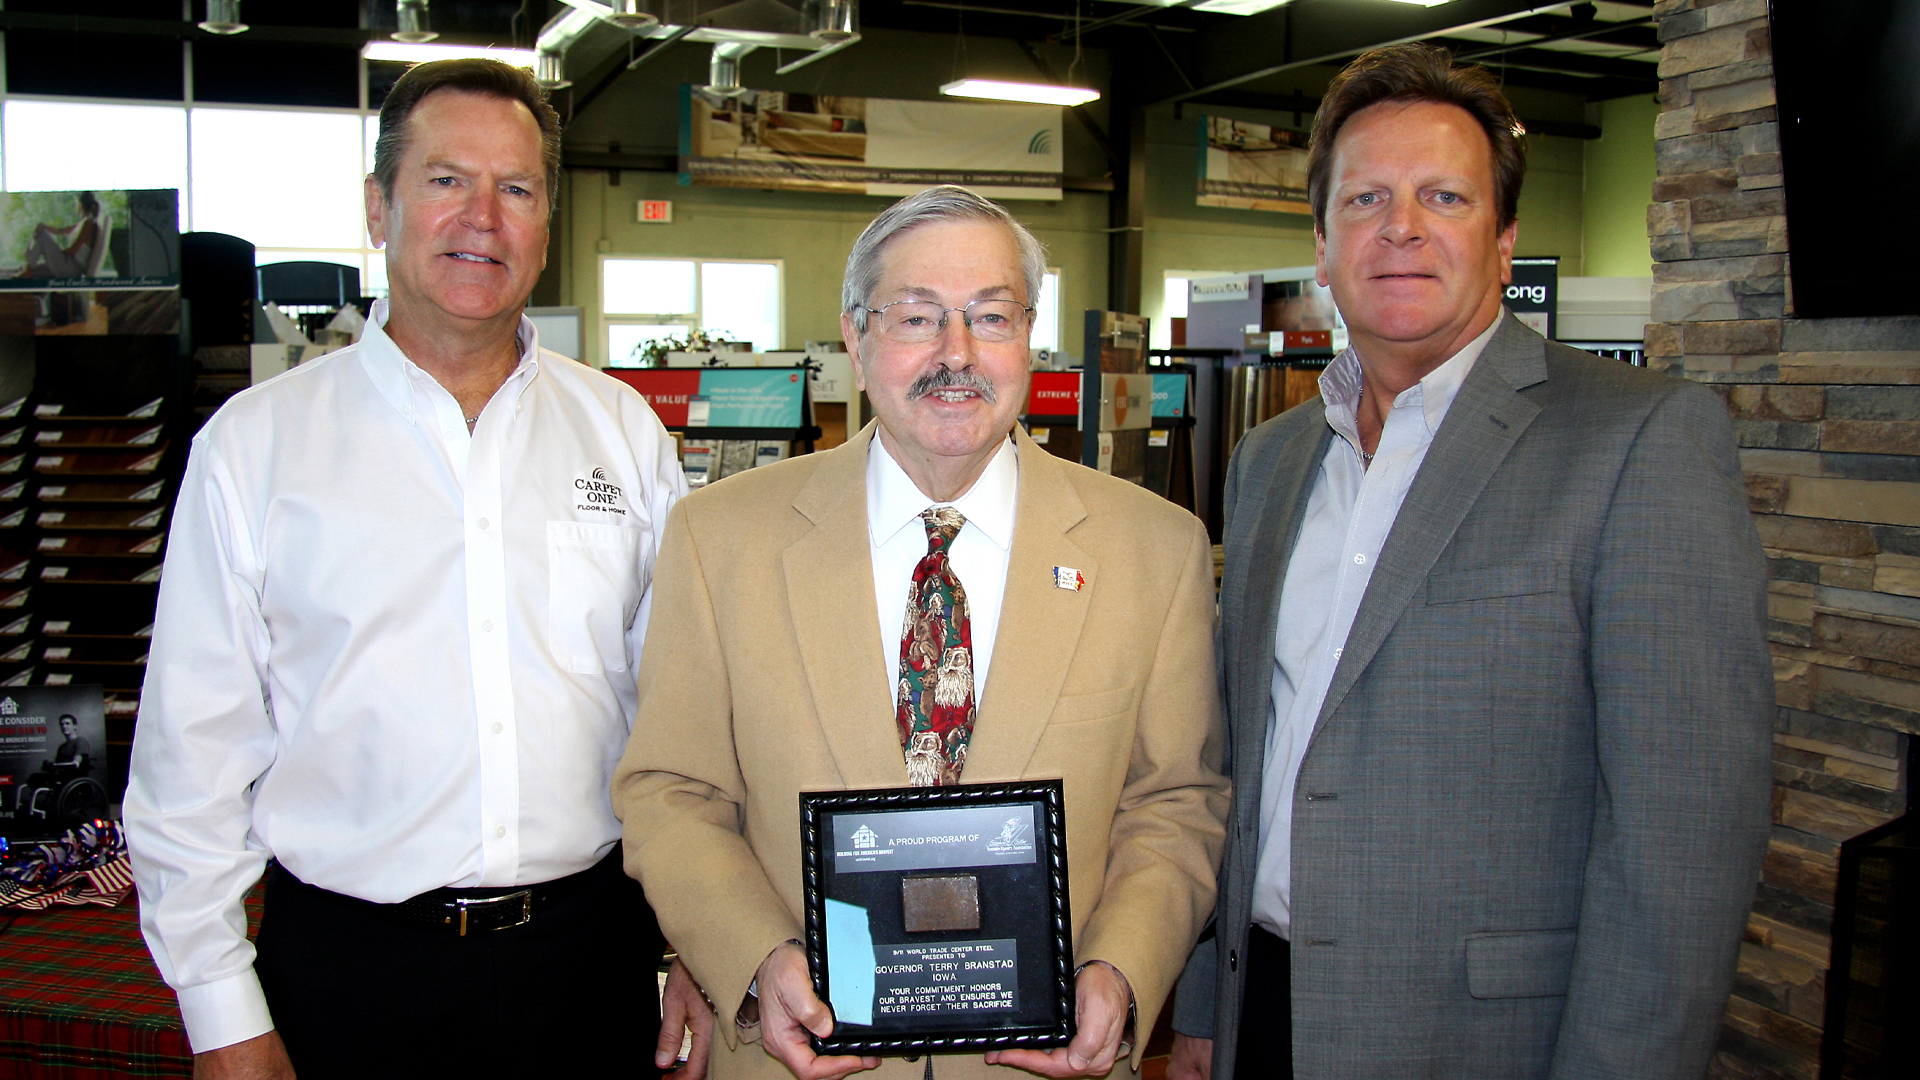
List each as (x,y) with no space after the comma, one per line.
(1494,659)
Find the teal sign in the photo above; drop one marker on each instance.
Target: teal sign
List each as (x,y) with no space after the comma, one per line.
(753,397)
(1170,395)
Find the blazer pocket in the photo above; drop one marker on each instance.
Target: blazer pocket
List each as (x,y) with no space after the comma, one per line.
(1520,963)
(1080,708)
(1489,582)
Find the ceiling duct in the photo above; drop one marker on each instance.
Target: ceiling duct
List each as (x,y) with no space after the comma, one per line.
(632,15)
(223,17)
(812,28)
(414,25)
(550,70)
(833,21)
(723,67)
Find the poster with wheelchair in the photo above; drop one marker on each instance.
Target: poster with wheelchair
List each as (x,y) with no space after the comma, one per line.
(53,742)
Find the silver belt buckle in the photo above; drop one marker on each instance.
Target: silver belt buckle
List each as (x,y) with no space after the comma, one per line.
(524,898)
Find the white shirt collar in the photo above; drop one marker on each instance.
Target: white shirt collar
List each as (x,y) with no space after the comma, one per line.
(391,371)
(1433,395)
(894,502)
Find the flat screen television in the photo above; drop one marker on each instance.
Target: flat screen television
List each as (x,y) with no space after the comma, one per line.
(1847,74)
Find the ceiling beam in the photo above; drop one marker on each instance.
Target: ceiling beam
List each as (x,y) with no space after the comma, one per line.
(1311,32)
(1556,60)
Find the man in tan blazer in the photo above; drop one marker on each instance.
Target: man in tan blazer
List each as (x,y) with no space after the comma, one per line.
(772,669)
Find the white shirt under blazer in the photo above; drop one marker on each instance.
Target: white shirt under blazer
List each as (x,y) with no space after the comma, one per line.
(392,655)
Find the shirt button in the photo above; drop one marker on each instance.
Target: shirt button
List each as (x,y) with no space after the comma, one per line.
(499,831)
(1360,560)
(1336,656)
(498,727)
(486,625)
(483,523)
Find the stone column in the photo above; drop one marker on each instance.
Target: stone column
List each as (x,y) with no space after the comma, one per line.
(1828,417)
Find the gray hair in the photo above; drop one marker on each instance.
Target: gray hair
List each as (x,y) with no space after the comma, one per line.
(944,203)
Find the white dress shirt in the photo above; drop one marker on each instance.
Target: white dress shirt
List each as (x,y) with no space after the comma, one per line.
(1349,514)
(978,556)
(392,655)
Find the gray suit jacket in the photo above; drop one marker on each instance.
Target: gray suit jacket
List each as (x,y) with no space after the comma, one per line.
(1530,820)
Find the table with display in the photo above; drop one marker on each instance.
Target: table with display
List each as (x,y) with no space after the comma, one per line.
(80,998)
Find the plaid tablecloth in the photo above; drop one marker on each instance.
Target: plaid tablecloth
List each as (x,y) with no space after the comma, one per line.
(80,999)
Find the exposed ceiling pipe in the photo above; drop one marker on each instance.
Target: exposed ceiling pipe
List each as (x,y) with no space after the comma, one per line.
(550,48)
(833,21)
(631,15)
(414,25)
(223,17)
(723,68)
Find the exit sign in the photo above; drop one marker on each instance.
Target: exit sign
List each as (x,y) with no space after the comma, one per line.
(656,211)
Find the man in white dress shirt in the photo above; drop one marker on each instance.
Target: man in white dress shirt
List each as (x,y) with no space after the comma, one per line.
(395,655)
(1494,659)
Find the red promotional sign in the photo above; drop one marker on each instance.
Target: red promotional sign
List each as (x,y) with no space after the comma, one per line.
(666,389)
(1054,393)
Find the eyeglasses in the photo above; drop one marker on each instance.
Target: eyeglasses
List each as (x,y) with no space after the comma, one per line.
(915,322)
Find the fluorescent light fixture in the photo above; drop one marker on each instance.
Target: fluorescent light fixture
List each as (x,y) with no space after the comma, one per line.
(1423,3)
(402,52)
(1038,93)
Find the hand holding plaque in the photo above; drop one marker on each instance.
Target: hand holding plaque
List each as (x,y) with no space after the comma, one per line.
(937,917)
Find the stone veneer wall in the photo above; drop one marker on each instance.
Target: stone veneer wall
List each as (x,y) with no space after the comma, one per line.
(1828,416)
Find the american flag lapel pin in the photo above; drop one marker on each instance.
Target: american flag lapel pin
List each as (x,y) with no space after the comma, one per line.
(1066,577)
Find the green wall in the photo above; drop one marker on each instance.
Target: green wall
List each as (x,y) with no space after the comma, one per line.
(1619,186)
(1583,201)
(810,233)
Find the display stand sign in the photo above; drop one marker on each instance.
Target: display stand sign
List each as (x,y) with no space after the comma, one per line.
(53,742)
(937,917)
(721,397)
(1534,294)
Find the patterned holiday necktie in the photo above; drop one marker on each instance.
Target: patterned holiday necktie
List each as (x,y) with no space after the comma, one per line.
(935,701)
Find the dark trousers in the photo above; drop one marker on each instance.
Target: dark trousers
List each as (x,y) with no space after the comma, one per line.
(572,992)
(1266,1010)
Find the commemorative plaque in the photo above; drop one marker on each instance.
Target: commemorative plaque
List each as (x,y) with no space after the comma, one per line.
(937,917)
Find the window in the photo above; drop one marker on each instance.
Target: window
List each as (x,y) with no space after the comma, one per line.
(72,146)
(1046,313)
(279,179)
(643,300)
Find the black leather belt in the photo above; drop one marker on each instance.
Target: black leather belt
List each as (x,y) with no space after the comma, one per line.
(472,911)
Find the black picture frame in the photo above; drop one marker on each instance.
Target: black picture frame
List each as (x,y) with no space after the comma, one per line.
(1043,1016)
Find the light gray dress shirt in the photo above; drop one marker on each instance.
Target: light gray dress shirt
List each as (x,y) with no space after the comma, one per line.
(1349,513)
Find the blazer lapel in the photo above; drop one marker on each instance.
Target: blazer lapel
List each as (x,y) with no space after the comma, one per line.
(829,582)
(1040,624)
(1272,513)
(1486,419)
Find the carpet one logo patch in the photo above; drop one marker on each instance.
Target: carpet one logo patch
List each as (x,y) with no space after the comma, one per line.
(594,492)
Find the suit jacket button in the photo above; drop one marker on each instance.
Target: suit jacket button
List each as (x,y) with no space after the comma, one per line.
(1233,960)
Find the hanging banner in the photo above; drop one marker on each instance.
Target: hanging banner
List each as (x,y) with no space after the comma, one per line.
(1247,166)
(868,146)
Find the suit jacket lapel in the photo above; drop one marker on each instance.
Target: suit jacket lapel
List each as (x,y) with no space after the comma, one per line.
(829,579)
(1272,513)
(1040,623)
(1486,419)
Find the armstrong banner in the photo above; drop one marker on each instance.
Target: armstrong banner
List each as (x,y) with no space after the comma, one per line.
(1246,166)
(868,146)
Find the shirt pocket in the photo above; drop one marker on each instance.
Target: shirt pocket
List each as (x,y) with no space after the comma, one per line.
(594,584)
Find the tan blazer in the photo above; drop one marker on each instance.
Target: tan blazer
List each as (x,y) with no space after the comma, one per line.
(762,678)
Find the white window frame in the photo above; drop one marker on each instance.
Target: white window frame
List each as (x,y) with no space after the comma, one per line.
(692,320)
(365,254)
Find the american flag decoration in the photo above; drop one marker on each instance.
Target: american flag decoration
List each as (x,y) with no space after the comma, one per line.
(1066,577)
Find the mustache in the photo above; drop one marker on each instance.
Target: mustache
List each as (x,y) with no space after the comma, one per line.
(942,378)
